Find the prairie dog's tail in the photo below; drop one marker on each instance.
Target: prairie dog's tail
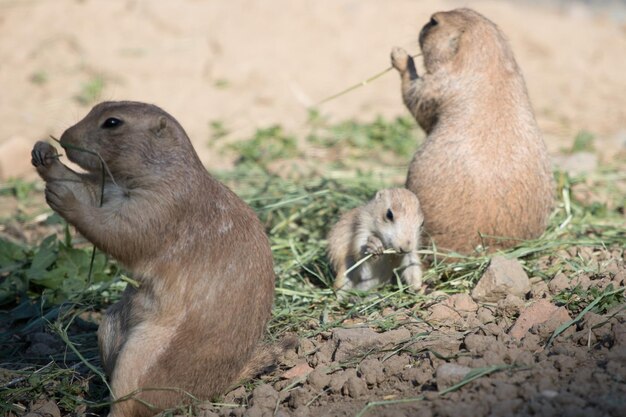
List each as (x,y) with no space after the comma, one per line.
(265,357)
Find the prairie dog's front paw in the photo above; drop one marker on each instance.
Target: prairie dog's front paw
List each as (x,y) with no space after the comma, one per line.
(43,156)
(60,198)
(374,246)
(400,59)
(412,275)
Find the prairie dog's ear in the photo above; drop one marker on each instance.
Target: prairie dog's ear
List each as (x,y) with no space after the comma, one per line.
(160,126)
(379,195)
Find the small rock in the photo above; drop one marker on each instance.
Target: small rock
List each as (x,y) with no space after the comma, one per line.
(290,358)
(353,340)
(256,411)
(306,347)
(511,305)
(393,337)
(485,315)
(618,331)
(318,379)
(492,329)
(478,344)
(536,313)
(559,283)
(300,370)
(236,395)
(396,364)
(443,314)
(598,324)
(525,357)
(321,358)
(372,371)
(265,397)
(564,363)
(539,290)
(554,321)
(462,303)
(419,375)
(355,387)
(299,397)
(502,277)
(445,344)
(338,379)
(449,374)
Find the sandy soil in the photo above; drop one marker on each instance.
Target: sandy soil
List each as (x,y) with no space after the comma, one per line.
(250,64)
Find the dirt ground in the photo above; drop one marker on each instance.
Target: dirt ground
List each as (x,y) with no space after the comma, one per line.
(250,64)
(582,373)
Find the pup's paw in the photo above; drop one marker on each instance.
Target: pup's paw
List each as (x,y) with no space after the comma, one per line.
(374,246)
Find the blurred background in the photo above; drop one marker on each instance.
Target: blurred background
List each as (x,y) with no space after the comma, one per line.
(240,65)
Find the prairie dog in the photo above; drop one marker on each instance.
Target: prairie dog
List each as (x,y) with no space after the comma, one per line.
(484,167)
(199,252)
(391,220)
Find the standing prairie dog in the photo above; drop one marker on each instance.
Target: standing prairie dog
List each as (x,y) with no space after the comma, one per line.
(391,220)
(199,252)
(484,168)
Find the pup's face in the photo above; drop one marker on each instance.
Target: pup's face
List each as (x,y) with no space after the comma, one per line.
(398,219)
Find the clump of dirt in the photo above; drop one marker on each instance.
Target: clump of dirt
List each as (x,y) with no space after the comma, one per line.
(425,362)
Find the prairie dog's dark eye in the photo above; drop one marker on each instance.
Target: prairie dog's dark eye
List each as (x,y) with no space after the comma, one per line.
(433,22)
(111,123)
(389,215)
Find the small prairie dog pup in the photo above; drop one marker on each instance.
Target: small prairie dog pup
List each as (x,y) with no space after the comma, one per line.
(199,252)
(391,220)
(484,167)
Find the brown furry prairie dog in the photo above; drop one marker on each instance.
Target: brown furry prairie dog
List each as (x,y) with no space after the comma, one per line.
(391,220)
(484,168)
(199,252)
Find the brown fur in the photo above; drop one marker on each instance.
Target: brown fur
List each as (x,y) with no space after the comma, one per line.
(391,220)
(199,252)
(484,167)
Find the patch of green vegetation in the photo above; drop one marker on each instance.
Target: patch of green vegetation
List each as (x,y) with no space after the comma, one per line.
(399,136)
(577,298)
(90,91)
(54,268)
(583,142)
(39,77)
(218,130)
(221,83)
(266,145)
(19,188)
